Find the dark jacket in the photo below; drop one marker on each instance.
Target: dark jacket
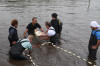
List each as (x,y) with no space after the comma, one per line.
(57,25)
(13,36)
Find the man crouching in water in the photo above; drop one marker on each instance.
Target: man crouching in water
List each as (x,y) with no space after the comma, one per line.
(16,51)
(50,34)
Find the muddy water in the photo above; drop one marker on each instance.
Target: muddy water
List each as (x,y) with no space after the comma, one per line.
(76,16)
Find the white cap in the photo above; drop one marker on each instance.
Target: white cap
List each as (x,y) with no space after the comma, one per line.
(94,24)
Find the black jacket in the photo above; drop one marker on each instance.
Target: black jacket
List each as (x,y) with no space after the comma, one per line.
(13,36)
(57,25)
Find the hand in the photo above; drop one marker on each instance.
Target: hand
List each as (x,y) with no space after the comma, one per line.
(14,42)
(94,47)
(24,36)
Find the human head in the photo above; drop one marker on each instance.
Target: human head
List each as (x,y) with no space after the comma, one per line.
(14,23)
(30,37)
(54,16)
(34,20)
(47,24)
(94,25)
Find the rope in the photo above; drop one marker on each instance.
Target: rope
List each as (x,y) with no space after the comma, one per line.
(73,54)
(32,60)
(69,52)
(66,51)
(31,57)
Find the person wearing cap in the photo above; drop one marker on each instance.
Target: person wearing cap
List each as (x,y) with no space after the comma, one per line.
(13,36)
(56,24)
(94,41)
(16,51)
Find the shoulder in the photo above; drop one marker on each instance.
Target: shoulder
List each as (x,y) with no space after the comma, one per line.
(24,40)
(98,33)
(51,20)
(26,44)
(51,27)
(37,24)
(11,29)
(30,24)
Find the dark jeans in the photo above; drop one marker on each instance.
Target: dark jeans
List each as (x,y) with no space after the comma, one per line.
(11,44)
(92,53)
(58,35)
(18,56)
(54,39)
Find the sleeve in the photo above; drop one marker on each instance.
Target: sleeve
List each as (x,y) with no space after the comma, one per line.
(29,47)
(28,26)
(98,35)
(11,33)
(38,25)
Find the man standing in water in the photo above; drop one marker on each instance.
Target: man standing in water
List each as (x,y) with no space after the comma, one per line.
(32,26)
(56,24)
(13,36)
(94,40)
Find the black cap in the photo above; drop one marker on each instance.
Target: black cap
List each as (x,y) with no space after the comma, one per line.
(54,15)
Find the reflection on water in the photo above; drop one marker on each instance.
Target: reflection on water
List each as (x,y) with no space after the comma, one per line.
(93,63)
(18,62)
(75,35)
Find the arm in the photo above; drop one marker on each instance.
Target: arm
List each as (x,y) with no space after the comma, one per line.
(30,51)
(97,45)
(44,35)
(11,38)
(25,33)
(41,29)
(98,42)
(29,48)
(39,26)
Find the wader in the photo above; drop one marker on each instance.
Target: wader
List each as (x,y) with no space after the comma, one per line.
(16,51)
(93,41)
(54,39)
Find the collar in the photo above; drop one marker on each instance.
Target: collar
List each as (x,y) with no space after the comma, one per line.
(25,39)
(28,39)
(13,27)
(51,28)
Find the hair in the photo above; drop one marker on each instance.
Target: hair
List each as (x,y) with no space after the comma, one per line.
(30,37)
(54,15)
(47,23)
(34,18)
(14,22)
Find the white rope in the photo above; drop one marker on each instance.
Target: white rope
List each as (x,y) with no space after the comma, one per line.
(66,51)
(31,57)
(73,54)
(32,60)
(45,43)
